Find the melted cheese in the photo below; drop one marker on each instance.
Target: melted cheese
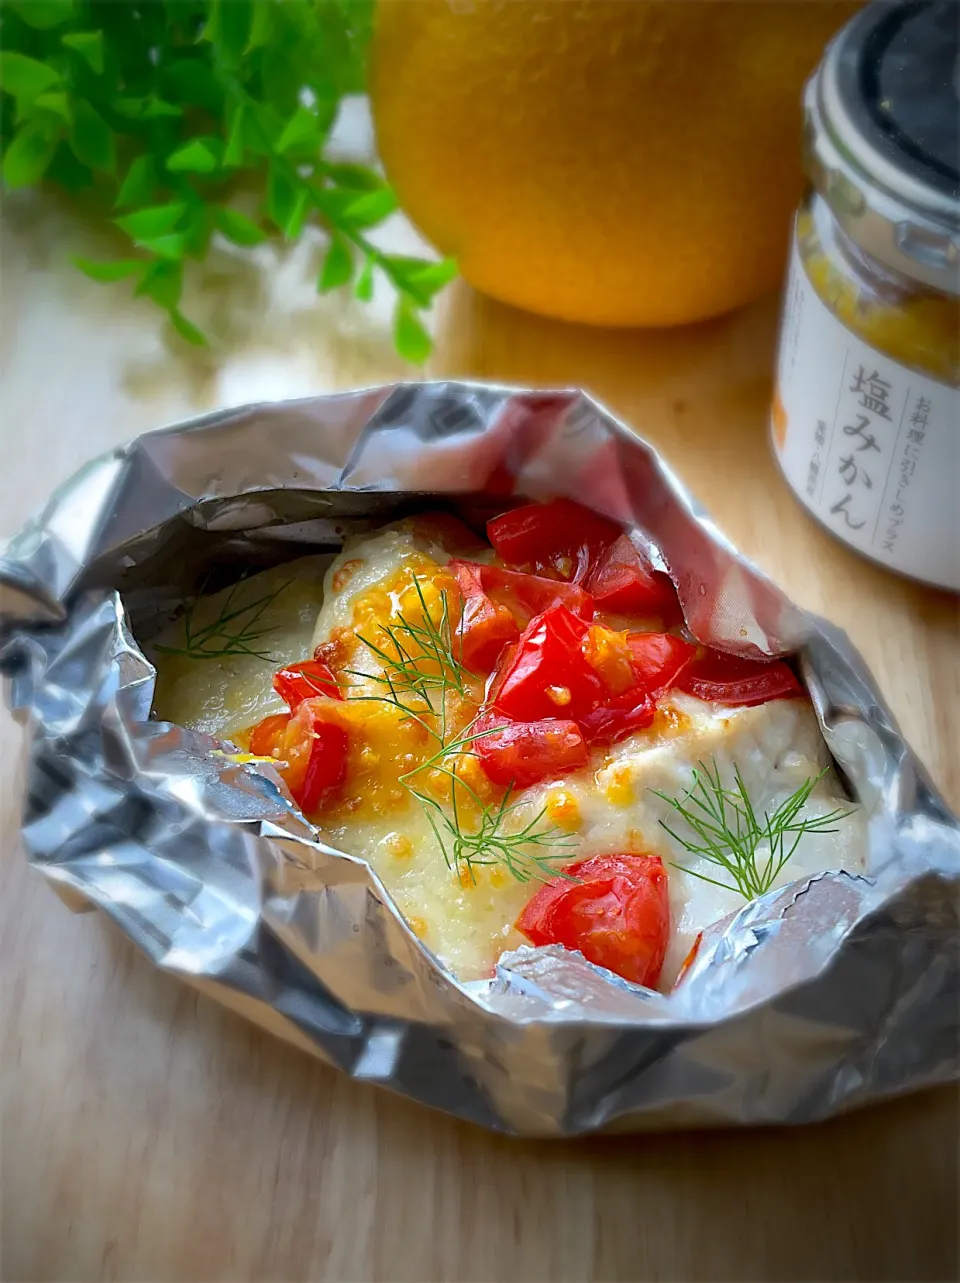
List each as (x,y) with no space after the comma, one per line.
(609,806)
(223,694)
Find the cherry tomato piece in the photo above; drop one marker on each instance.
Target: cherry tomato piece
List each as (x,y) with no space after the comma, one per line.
(731,680)
(523,595)
(326,765)
(524,753)
(608,653)
(658,659)
(548,675)
(485,629)
(655,659)
(623,582)
(310,750)
(612,722)
(267,735)
(562,536)
(298,682)
(617,914)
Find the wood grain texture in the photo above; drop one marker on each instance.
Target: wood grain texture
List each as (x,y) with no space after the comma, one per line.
(150,1136)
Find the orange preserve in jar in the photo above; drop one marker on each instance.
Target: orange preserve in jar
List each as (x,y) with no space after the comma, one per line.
(866,409)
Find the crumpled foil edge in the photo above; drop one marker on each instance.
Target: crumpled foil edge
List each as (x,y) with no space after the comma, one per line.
(829,993)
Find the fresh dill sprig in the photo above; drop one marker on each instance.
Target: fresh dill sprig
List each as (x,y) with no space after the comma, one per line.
(451,748)
(420,669)
(733,837)
(234,631)
(423,667)
(527,853)
(414,644)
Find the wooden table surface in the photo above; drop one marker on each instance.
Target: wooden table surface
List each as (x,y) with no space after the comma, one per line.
(149,1135)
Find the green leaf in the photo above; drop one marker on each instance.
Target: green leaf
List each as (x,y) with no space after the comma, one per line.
(156,220)
(56,105)
(411,339)
(140,183)
(92,138)
(199,156)
(212,28)
(187,330)
(89,45)
(67,171)
(357,19)
(163,282)
(418,278)
(286,202)
(191,81)
(434,276)
(280,88)
(358,177)
(233,156)
(261,25)
(131,108)
(173,245)
(301,131)
(371,208)
(199,229)
(363,290)
(114,270)
(43,15)
(28,156)
(227,29)
(157,109)
(149,108)
(24,77)
(337,265)
(238,228)
(298,216)
(262,127)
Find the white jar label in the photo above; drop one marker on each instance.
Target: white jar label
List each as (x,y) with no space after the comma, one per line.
(870,446)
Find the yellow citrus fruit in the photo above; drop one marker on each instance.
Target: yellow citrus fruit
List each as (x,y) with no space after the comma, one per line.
(619,162)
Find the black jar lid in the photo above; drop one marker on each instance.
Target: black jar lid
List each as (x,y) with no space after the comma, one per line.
(882,137)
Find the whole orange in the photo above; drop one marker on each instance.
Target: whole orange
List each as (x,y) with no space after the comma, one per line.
(619,162)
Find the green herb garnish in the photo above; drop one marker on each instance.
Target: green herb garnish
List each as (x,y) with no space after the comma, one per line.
(420,669)
(526,853)
(165,111)
(236,630)
(413,644)
(732,836)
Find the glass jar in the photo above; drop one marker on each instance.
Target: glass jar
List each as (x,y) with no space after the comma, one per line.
(866,410)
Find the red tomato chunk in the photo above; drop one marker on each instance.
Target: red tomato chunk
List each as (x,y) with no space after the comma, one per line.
(562,536)
(298,682)
(728,679)
(523,595)
(326,766)
(622,582)
(548,675)
(310,751)
(524,753)
(658,659)
(266,734)
(485,627)
(614,721)
(617,914)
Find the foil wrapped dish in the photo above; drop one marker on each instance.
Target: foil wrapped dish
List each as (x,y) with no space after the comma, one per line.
(437,730)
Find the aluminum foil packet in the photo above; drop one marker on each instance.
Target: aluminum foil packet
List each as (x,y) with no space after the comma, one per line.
(826,994)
